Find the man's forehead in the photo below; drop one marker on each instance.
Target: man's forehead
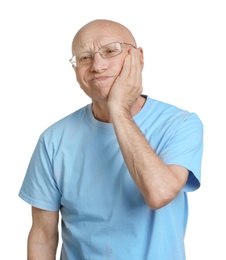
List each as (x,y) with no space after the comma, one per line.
(95,40)
(94,45)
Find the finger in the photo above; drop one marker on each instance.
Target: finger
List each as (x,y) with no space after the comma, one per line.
(135,67)
(126,67)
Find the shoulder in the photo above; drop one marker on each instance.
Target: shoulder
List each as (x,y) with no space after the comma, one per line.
(68,127)
(167,111)
(71,120)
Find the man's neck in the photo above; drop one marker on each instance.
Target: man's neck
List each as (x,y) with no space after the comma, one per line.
(101,112)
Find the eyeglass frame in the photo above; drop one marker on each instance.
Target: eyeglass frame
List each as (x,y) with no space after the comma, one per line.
(93,53)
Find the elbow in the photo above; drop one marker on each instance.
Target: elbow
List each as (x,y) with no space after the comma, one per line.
(156,204)
(158,201)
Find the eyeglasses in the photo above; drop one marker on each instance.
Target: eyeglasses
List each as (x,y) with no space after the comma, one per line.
(107,51)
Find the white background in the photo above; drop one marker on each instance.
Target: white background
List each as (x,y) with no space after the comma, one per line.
(185,64)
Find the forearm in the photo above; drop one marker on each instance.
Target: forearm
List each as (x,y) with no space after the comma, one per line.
(152,176)
(40,247)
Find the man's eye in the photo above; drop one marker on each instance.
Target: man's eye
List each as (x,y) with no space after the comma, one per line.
(112,50)
(84,58)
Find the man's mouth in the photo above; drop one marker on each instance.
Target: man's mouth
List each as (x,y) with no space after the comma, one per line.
(99,79)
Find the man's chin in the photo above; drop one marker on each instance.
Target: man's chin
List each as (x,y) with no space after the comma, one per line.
(105,90)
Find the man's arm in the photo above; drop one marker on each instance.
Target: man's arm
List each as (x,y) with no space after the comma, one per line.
(43,236)
(159,183)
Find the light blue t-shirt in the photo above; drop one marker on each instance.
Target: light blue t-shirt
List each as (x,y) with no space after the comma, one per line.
(77,168)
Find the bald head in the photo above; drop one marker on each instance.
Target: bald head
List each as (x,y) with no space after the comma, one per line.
(100,32)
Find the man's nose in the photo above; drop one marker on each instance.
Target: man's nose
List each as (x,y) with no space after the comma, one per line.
(98,63)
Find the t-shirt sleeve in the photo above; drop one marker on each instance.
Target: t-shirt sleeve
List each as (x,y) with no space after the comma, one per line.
(185,148)
(39,187)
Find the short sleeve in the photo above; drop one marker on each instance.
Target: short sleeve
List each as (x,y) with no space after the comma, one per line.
(39,186)
(186,148)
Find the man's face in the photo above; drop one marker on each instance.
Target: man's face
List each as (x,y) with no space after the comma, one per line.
(97,78)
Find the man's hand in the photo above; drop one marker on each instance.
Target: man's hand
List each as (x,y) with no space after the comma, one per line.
(128,86)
